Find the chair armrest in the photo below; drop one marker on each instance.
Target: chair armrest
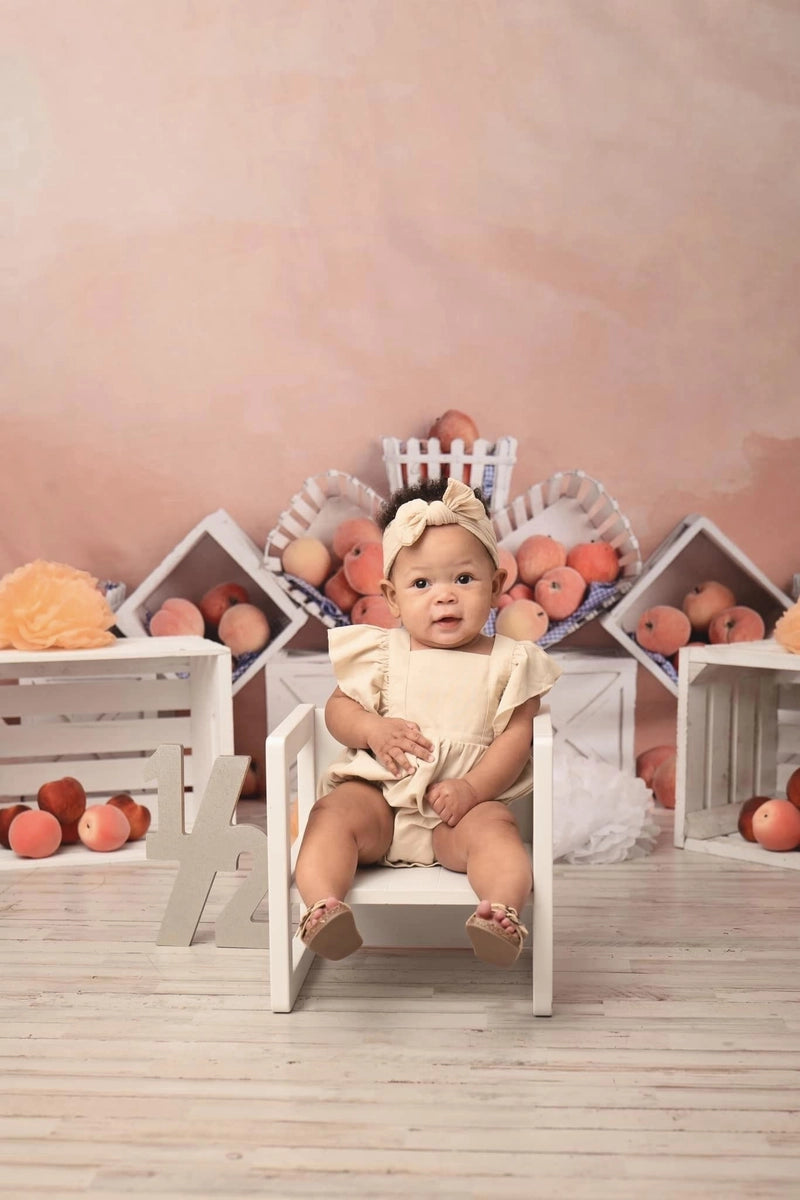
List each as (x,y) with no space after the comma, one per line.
(542,791)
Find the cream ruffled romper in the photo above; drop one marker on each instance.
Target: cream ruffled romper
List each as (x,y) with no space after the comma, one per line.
(461,702)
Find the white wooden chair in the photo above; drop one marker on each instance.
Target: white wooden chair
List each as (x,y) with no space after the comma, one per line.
(303,739)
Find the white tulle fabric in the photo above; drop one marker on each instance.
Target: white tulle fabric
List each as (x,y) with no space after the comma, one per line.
(600,814)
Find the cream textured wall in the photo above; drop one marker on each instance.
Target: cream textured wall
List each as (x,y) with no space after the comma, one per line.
(246,239)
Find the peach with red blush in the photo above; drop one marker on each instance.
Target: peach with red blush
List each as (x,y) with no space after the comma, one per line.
(244,629)
(177,617)
(597,562)
(560,592)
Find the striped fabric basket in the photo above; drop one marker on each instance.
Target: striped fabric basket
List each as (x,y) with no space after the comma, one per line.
(572,507)
(487,466)
(315,511)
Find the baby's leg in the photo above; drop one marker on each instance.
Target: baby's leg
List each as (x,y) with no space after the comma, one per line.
(351,826)
(486,845)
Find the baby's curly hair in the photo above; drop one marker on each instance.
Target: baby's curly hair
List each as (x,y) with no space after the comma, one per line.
(426,489)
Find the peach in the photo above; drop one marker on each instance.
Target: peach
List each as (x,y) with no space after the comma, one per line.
(69,833)
(739,623)
(374,610)
(663,629)
(704,601)
(597,562)
(250,784)
(217,600)
(746,814)
(352,530)
(138,814)
(34,834)
(363,567)
(451,425)
(560,592)
(664,781)
(309,559)
(508,563)
(64,798)
(103,827)
(339,591)
(648,760)
(537,554)
(523,620)
(7,814)
(503,600)
(776,825)
(793,788)
(244,629)
(177,617)
(521,591)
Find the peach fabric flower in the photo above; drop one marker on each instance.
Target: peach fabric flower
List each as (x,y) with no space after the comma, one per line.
(46,605)
(787,630)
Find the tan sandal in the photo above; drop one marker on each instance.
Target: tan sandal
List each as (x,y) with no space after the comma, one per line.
(493,943)
(334,934)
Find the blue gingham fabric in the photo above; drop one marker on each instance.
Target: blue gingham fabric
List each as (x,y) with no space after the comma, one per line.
(664,663)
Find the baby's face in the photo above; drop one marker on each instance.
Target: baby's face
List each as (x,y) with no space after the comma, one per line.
(443,588)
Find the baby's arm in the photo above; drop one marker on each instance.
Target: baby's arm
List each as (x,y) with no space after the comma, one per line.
(390,739)
(500,766)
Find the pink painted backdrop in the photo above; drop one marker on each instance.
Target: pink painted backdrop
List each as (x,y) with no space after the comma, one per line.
(245,240)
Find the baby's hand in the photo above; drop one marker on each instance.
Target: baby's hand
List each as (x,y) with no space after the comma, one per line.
(451,799)
(393,739)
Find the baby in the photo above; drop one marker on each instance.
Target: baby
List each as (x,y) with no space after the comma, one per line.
(437,719)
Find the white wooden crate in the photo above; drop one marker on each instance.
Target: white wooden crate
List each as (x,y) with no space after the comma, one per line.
(488,465)
(322,503)
(696,550)
(738,736)
(216,551)
(55,707)
(592,705)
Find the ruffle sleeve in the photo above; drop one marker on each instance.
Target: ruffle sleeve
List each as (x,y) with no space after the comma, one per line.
(532,673)
(360,657)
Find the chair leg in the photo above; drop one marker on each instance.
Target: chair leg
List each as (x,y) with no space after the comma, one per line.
(543,954)
(542,864)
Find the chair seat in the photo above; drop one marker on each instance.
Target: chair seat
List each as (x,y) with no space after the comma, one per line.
(408,885)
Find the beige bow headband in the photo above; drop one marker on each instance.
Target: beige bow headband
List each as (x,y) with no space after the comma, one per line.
(458,506)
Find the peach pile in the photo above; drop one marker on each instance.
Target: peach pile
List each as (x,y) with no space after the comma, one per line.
(547,582)
(223,613)
(708,613)
(348,571)
(63,817)
(773,821)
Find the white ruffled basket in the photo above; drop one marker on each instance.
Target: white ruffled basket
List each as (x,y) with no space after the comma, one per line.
(315,511)
(573,507)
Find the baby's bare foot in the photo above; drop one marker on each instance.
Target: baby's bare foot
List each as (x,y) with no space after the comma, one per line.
(486,911)
(316,916)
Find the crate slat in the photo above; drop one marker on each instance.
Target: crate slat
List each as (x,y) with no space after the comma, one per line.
(33,737)
(104,776)
(67,696)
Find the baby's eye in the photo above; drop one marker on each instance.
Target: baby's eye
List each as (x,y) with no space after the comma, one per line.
(419,584)
(464,577)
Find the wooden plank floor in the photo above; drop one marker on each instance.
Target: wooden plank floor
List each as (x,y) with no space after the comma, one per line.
(671,1067)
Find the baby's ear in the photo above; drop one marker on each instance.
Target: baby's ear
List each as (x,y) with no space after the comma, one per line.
(389,593)
(498,582)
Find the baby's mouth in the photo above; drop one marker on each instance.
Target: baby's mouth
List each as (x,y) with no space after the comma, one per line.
(447,621)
